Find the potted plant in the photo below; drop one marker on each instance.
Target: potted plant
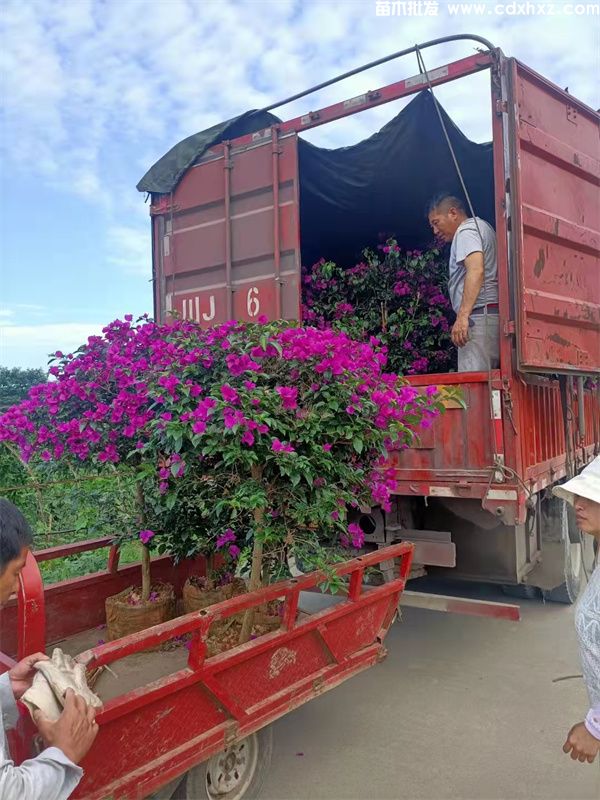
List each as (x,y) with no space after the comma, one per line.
(247,443)
(276,432)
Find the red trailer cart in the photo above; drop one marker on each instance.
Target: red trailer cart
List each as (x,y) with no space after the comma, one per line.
(233,217)
(177,723)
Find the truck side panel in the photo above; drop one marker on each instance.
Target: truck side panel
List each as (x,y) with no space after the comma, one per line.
(221,249)
(555,176)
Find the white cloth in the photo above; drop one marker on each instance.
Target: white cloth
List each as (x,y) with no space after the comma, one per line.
(50,776)
(587,625)
(52,680)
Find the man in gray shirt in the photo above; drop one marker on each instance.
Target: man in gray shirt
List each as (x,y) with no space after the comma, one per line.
(54,774)
(472,283)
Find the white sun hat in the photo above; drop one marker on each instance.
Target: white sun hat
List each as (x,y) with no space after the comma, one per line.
(586,484)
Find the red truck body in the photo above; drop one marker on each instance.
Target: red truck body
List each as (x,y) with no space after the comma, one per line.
(227,244)
(175,714)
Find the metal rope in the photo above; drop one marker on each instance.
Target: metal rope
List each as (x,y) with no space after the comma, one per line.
(423,69)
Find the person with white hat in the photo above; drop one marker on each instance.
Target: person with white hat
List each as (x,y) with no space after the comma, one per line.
(583,493)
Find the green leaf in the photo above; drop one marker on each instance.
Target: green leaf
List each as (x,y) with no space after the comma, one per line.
(358,445)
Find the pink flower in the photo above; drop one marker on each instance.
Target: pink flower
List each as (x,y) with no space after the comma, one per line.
(248,438)
(327,447)
(289,396)
(357,534)
(146,536)
(281,447)
(229,394)
(225,538)
(234,551)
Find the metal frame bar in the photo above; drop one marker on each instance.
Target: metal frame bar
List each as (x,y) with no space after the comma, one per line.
(407,51)
(378,97)
(276,241)
(227,167)
(62,550)
(461,605)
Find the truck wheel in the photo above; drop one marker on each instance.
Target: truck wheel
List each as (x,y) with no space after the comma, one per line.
(559,527)
(568,591)
(237,772)
(566,555)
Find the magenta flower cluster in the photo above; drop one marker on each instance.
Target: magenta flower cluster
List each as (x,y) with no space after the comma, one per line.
(204,406)
(398,296)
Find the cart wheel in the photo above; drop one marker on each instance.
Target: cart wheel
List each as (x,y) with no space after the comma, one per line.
(238,772)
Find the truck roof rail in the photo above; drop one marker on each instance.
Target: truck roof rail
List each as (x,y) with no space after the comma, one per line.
(442,40)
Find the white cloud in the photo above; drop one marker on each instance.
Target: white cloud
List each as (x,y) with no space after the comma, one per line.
(88,82)
(130,249)
(94,91)
(28,345)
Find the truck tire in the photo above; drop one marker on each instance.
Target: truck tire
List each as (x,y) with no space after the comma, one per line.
(237,772)
(566,557)
(558,523)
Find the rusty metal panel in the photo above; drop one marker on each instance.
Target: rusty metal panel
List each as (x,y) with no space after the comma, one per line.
(555,222)
(458,447)
(224,252)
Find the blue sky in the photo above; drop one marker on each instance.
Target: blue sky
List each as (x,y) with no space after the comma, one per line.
(94,91)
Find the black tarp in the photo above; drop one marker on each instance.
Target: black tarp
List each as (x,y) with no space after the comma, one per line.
(164,176)
(351,195)
(383,185)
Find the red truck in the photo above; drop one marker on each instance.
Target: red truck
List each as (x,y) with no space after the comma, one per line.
(237,209)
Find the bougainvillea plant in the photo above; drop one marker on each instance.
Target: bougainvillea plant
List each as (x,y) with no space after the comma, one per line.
(399,296)
(251,440)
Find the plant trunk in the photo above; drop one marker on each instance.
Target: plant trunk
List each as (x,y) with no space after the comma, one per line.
(257,562)
(146,576)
